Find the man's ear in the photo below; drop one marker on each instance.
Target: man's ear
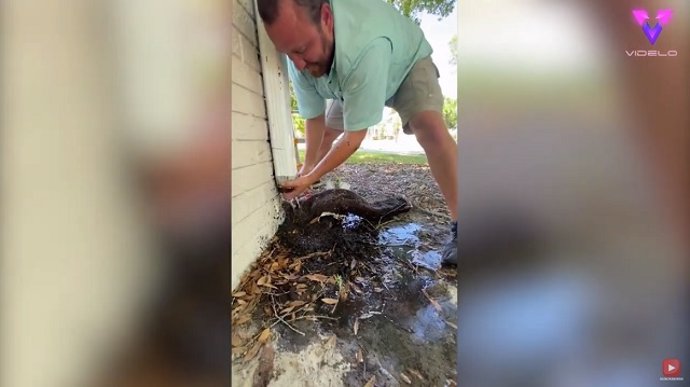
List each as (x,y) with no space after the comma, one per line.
(326,17)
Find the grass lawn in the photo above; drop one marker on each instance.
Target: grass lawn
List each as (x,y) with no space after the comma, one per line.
(364,157)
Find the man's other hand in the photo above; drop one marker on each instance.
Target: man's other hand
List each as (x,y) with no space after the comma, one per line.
(294,188)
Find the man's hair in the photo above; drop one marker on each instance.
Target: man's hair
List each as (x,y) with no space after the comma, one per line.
(268,9)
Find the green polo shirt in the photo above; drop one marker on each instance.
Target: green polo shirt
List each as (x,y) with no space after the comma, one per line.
(375,48)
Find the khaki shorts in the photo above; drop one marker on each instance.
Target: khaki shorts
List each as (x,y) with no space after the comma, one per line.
(420,91)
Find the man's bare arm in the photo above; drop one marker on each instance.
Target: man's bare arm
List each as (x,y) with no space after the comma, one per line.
(341,151)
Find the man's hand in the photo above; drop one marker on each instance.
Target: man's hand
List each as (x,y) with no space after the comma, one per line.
(295,188)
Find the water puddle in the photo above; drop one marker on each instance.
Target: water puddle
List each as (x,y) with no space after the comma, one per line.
(430,260)
(351,222)
(428,325)
(401,235)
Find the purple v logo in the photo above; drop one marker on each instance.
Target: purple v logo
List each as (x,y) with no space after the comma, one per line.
(663,17)
(652,33)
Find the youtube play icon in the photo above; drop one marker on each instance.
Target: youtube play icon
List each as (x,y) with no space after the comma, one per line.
(670,368)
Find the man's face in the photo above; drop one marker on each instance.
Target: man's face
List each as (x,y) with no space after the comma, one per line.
(308,45)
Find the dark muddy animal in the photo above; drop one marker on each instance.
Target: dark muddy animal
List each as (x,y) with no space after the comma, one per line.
(304,232)
(342,201)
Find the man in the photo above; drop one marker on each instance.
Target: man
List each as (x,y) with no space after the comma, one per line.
(363,55)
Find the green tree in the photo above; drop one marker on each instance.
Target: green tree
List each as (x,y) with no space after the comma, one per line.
(450,112)
(298,124)
(412,8)
(297,120)
(453,45)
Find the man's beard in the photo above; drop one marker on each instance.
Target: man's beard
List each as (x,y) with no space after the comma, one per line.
(321,68)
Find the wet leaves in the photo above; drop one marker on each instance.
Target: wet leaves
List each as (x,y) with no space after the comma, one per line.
(433,302)
(359,356)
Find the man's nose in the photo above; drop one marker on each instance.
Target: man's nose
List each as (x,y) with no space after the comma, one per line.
(298,61)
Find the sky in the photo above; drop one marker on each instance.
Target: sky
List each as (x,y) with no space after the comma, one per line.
(438,33)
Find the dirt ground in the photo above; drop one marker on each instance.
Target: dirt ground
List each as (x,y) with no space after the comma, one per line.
(374,309)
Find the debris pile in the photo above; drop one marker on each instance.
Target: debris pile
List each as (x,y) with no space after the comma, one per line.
(317,260)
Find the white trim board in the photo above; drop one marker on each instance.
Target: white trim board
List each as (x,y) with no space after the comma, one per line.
(277,93)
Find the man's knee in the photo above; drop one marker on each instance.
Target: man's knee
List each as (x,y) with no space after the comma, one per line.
(429,128)
(330,134)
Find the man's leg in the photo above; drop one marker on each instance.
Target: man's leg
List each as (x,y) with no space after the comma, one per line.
(441,152)
(329,135)
(419,101)
(334,127)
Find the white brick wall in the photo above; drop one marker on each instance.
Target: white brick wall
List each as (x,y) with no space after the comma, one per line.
(255,201)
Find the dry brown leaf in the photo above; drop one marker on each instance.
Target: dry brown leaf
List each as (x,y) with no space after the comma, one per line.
(241,302)
(344,293)
(356,326)
(360,357)
(451,382)
(317,277)
(237,340)
(329,301)
(416,373)
(371,382)
(378,290)
(287,310)
(355,288)
(301,286)
(263,280)
(353,264)
(331,342)
(242,319)
(405,378)
(239,294)
(239,350)
(266,281)
(253,351)
(265,335)
(274,266)
(436,305)
(297,303)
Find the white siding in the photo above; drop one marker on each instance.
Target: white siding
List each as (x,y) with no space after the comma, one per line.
(255,201)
